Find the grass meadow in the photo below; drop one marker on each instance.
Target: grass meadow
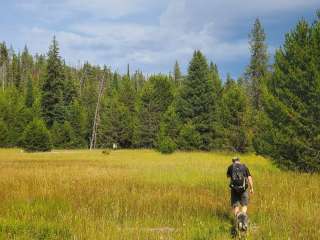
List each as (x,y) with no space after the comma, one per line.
(141,194)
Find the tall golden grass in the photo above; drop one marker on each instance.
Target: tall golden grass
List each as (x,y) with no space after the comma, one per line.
(141,194)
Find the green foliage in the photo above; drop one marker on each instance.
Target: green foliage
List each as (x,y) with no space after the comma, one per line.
(195,103)
(4,134)
(14,114)
(63,136)
(116,124)
(36,137)
(167,145)
(170,124)
(29,94)
(155,98)
(257,71)
(189,138)
(234,114)
(177,76)
(292,101)
(78,119)
(52,89)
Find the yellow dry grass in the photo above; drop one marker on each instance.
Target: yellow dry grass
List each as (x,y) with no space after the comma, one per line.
(141,194)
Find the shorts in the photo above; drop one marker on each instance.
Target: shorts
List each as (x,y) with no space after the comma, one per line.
(239,198)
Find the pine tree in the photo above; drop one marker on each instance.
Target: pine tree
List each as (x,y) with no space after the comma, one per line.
(52,89)
(16,70)
(195,103)
(4,134)
(29,94)
(257,71)
(127,94)
(234,114)
(63,136)
(4,66)
(77,117)
(177,77)
(292,102)
(116,124)
(36,137)
(26,66)
(156,97)
(216,80)
(189,138)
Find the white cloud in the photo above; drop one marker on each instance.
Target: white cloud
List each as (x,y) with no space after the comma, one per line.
(100,31)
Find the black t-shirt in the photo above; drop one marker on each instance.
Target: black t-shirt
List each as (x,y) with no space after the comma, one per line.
(243,168)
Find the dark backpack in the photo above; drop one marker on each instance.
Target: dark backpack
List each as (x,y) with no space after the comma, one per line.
(238,179)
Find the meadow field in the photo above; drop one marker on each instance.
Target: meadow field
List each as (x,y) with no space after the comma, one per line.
(142,194)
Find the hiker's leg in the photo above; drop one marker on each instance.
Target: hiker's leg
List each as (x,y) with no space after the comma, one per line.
(236,210)
(235,202)
(244,209)
(244,201)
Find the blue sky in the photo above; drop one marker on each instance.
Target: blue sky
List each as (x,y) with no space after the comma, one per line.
(149,35)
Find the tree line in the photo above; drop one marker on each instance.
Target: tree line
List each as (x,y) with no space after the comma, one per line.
(272,109)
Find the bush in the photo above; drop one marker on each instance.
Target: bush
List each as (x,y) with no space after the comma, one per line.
(189,138)
(167,145)
(4,134)
(36,137)
(63,136)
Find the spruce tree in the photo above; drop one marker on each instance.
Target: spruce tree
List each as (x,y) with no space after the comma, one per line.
(216,80)
(127,94)
(116,124)
(177,77)
(155,98)
(29,93)
(195,103)
(77,117)
(26,66)
(16,70)
(257,70)
(4,134)
(234,117)
(36,137)
(292,102)
(52,90)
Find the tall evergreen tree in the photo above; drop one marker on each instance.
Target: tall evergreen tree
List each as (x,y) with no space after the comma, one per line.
(4,134)
(52,89)
(29,93)
(177,77)
(36,137)
(234,117)
(195,103)
(291,135)
(16,70)
(116,124)
(215,78)
(156,97)
(26,66)
(257,71)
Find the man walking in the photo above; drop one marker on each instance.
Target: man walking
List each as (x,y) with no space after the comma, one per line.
(240,180)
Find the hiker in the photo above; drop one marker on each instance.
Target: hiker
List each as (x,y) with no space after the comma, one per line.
(240,180)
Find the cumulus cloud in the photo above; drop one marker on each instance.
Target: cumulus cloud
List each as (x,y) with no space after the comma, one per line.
(148,33)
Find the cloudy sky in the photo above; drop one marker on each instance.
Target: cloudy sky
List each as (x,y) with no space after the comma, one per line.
(149,34)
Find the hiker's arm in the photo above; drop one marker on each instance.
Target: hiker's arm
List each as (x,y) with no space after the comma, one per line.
(229,172)
(250,184)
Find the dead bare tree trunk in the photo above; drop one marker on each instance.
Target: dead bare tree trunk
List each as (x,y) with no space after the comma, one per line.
(93,140)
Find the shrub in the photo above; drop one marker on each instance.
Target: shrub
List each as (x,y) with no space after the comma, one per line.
(63,136)
(36,137)
(167,145)
(189,138)
(4,134)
